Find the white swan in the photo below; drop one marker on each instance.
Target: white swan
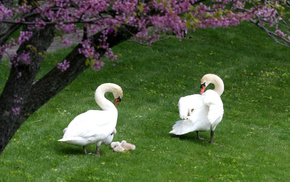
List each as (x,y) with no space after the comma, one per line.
(95,126)
(201,112)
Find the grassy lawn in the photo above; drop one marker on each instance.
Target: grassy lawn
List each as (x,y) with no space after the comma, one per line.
(253,137)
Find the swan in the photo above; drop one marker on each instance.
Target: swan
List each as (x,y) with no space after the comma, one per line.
(201,112)
(95,126)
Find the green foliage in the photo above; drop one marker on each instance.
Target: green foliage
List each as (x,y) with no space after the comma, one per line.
(253,138)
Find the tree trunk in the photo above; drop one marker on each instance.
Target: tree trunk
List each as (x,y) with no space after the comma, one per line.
(19,84)
(34,95)
(5,29)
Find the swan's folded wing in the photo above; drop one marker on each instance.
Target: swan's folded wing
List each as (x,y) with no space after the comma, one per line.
(187,104)
(91,124)
(215,105)
(96,117)
(215,113)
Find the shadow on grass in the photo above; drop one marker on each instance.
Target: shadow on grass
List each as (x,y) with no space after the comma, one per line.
(73,150)
(69,149)
(192,138)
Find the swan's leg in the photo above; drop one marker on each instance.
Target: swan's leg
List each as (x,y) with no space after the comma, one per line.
(211,136)
(98,150)
(85,149)
(198,137)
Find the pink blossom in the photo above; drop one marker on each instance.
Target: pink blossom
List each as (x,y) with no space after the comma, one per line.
(97,65)
(40,24)
(18,100)
(62,3)
(66,42)
(5,13)
(280,33)
(66,28)
(24,57)
(63,65)
(16,111)
(24,36)
(19,74)
(110,55)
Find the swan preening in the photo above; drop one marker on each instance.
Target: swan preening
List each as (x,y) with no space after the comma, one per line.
(95,126)
(201,112)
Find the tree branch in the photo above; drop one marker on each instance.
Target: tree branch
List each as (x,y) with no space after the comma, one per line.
(54,81)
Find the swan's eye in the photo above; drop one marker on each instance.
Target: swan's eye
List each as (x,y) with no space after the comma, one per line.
(202,85)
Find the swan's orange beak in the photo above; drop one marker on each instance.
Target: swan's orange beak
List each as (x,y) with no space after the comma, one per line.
(117,100)
(202,88)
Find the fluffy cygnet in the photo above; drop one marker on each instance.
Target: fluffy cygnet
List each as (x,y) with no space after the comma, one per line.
(127,146)
(116,146)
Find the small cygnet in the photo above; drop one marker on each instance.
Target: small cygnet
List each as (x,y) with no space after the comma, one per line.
(127,146)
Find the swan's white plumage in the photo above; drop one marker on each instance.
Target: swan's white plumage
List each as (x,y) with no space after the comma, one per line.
(95,126)
(90,127)
(200,112)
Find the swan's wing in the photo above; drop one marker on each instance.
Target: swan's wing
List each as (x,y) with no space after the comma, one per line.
(93,123)
(188,104)
(215,104)
(95,117)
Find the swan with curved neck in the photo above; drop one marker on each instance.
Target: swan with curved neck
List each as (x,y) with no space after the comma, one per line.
(95,126)
(201,112)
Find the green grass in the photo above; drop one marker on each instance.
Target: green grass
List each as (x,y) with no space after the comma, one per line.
(253,137)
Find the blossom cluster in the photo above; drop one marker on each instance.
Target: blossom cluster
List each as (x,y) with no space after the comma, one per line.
(107,16)
(16,110)
(62,66)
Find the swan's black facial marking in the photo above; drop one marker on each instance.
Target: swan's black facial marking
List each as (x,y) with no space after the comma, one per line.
(202,85)
(119,99)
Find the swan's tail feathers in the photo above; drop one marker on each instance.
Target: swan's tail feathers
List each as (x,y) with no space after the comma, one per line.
(64,130)
(182,127)
(75,141)
(70,140)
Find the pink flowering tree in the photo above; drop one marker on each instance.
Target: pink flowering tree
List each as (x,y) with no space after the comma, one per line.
(100,25)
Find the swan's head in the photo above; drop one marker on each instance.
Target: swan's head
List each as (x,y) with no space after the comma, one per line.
(117,92)
(205,81)
(117,100)
(202,87)
(212,78)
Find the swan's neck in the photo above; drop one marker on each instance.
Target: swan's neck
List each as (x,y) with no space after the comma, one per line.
(214,79)
(102,101)
(218,85)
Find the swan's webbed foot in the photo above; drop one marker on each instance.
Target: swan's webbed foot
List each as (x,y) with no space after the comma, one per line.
(213,143)
(97,154)
(198,137)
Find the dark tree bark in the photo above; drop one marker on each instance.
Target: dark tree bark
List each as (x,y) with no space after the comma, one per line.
(5,29)
(19,87)
(34,95)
